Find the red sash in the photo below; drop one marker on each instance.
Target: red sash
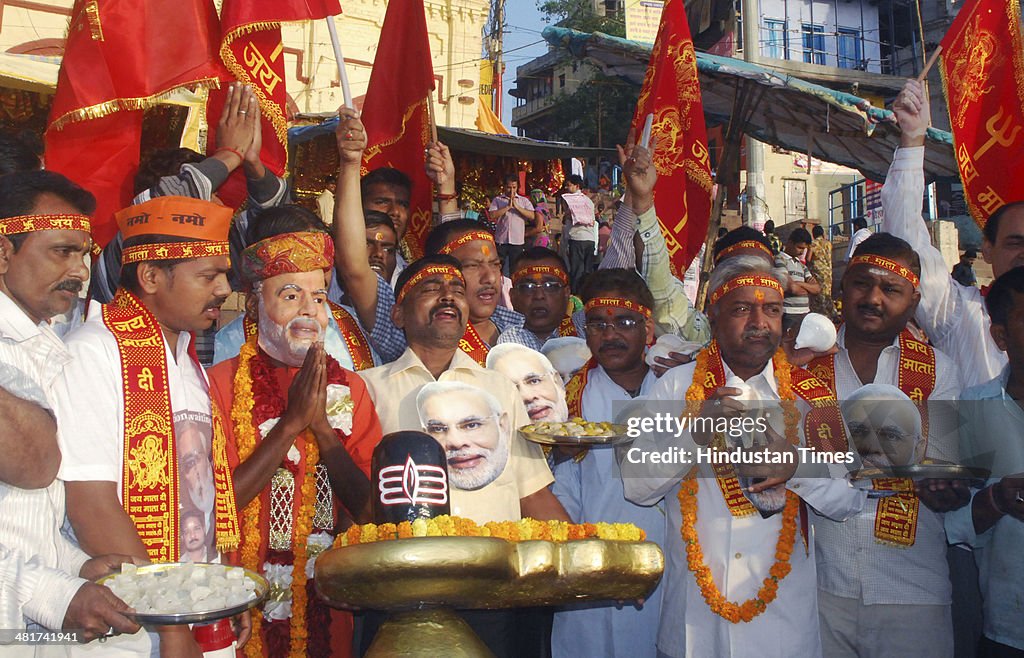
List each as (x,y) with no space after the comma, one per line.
(356,341)
(474,346)
(149,479)
(567,327)
(896,516)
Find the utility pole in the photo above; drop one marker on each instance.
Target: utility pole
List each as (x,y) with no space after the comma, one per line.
(756,205)
(495,52)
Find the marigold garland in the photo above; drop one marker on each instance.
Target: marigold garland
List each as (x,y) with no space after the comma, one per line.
(751,608)
(245,434)
(522,530)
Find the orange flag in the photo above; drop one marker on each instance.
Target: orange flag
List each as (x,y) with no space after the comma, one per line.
(983,74)
(395,112)
(671,91)
(121,56)
(252,50)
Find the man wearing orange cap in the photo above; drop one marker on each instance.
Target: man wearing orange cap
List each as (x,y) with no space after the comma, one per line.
(300,440)
(134,386)
(44,239)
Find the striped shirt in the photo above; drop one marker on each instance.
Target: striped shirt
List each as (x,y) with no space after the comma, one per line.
(38,566)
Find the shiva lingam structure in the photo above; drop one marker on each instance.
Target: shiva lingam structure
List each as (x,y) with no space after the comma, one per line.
(421,581)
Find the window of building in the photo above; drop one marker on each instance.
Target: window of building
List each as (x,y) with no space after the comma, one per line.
(561,81)
(774,43)
(850,54)
(814,43)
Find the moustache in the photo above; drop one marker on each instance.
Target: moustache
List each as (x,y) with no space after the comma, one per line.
(439,307)
(71,285)
(865,309)
(756,333)
(215,304)
(467,453)
(303,323)
(487,290)
(613,345)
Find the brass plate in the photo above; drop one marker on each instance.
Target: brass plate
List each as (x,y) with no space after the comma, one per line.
(975,476)
(618,437)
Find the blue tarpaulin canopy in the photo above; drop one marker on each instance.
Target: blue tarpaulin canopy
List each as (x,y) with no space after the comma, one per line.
(782,110)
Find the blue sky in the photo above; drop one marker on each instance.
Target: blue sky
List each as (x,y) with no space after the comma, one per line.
(522,43)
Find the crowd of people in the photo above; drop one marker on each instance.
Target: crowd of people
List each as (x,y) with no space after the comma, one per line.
(121,446)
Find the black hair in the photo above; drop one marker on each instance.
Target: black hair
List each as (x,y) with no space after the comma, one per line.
(510,178)
(19,152)
(889,246)
(386,176)
(417,265)
(859,223)
(442,234)
(1000,297)
(129,277)
(800,235)
(737,235)
(991,229)
(373,218)
(163,162)
(722,232)
(535,254)
(289,218)
(575,179)
(621,281)
(818,232)
(20,191)
(769,226)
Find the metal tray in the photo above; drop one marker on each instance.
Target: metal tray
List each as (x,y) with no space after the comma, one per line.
(618,436)
(262,590)
(974,476)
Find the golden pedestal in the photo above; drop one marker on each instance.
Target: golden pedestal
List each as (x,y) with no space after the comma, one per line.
(422,579)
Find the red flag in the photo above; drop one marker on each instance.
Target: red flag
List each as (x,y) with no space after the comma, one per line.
(251,48)
(395,112)
(671,91)
(983,73)
(121,56)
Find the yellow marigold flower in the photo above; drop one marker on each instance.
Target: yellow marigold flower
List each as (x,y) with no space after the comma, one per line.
(404,530)
(419,528)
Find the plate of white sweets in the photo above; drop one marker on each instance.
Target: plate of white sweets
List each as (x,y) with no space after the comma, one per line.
(186,592)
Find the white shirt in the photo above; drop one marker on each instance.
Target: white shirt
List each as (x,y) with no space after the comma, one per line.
(738,550)
(591,491)
(860,235)
(953,316)
(851,563)
(38,566)
(90,415)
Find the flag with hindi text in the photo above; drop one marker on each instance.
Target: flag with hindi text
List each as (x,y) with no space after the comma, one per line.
(671,92)
(121,57)
(983,74)
(395,113)
(252,50)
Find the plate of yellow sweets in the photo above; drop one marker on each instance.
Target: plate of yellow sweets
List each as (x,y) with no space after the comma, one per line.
(576,432)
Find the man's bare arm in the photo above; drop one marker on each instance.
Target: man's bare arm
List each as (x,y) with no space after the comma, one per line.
(28,442)
(543,506)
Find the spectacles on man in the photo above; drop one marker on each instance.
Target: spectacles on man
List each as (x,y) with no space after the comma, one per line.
(467,426)
(618,324)
(547,287)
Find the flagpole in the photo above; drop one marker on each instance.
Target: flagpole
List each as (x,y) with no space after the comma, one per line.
(432,118)
(346,91)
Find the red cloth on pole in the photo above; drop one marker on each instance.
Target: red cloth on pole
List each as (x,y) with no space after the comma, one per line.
(983,74)
(395,112)
(671,91)
(252,50)
(121,56)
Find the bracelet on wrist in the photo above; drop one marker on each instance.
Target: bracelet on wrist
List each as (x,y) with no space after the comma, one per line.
(230,150)
(445,197)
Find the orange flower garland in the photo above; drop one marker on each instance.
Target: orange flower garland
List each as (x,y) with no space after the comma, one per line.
(751,608)
(736,612)
(522,530)
(245,434)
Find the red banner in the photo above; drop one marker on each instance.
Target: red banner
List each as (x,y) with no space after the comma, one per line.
(252,50)
(121,56)
(395,111)
(671,92)
(983,75)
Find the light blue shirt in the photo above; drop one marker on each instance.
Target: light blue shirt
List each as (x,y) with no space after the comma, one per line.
(992,436)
